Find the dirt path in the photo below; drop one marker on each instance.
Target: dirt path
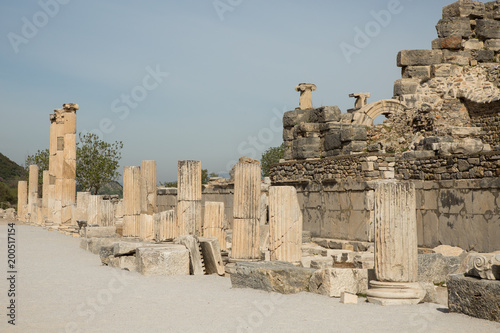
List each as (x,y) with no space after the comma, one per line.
(61,288)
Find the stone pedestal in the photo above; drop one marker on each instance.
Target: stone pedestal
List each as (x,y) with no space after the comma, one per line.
(396,256)
(246,211)
(33,193)
(189,218)
(214,224)
(285,224)
(148,187)
(22,200)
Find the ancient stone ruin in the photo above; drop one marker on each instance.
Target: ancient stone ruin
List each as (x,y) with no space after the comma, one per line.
(393,211)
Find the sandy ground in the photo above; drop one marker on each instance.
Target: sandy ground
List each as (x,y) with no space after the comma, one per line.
(62,288)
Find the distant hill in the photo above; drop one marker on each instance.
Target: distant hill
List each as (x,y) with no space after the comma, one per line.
(10,173)
(113,188)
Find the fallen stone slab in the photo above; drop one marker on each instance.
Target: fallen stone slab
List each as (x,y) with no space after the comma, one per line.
(434,267)
(98,232)
(212,257)
(333,281)
(338,244)
(128,263)
(273,276)
(196,262)
(348,298)
(166,260)
(94,245)
(321,263)
(474,297)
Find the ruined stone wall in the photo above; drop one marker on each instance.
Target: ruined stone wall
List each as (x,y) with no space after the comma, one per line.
(462,213)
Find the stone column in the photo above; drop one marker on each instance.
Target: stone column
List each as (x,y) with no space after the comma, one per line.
(82,206)
(62,163)
(94,210)
(131,200)
(396,254)
(148,187)
(305,90)
(361,99)
(285,224)
(165,226)
(189,219)
(146,227)
(22,200)
(214,224)
(45,195)
(33,193)
(246,212)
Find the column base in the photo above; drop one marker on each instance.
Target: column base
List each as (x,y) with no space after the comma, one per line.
(395,293)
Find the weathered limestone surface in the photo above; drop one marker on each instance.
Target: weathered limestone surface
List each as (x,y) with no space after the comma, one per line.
(211,255)
(165,226)
(214,223)
(247,189)
(434,267)
(333,281)
(22,200)
(132,190)
(396,262)
(285,224)
(189,210)
(165,260)
(95,244)
(99,232)
(33,193)
(131,225)
(146,227)
(419,57)
(272,276)
(395,232)
(148,187)
(196,264)
(474,297)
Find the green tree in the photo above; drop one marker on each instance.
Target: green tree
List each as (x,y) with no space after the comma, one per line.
(168,184)
(271,156)
(205,176)
(97,162)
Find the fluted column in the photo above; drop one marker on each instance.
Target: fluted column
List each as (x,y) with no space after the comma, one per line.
(148,187)
(131,200)
(22,200)
(33,193)
(396,254)
(146,227)
(214,224)
(165,227)
(285,224)
(246,211)
(189,219)
(45,195)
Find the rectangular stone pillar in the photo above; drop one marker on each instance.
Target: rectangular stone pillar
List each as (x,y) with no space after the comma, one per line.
(189,218)
(82,206)
(246,211)
(285,224)
(131,200)
(22,200)
(148,187)
(45,195)
(33,193)
(165,226)
(214,222)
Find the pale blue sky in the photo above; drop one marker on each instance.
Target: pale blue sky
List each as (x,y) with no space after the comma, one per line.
(225,77)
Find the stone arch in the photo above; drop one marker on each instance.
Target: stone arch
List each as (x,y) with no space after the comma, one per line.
(367,114)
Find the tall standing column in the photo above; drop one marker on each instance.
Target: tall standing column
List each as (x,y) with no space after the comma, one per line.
(246,211)
(189,219)
(22,200)
(396,254)
(131,200)
(285,224)
(148,187)
(33,193)
(45,194)
(214,222)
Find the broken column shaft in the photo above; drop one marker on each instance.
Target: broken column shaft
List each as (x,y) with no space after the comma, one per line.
(189,218)
(214,222)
